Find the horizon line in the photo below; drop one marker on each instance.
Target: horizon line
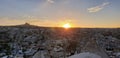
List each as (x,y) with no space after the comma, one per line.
(51,26)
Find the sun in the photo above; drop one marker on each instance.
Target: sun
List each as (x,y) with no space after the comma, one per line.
(67,25)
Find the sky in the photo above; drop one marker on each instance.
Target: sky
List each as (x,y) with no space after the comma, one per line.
(55,13)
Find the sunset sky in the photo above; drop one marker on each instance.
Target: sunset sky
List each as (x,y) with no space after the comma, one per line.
(55,13)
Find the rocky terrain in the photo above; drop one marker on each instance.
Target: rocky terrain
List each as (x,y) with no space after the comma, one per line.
(28,41)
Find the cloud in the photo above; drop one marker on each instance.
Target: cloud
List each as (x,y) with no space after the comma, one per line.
(50,1)
(47,3)
(98,8)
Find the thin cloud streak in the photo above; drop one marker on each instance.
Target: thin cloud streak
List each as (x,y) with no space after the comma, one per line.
(50,1)
(98,8)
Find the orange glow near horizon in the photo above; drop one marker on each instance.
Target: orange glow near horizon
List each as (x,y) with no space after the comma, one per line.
(67,25)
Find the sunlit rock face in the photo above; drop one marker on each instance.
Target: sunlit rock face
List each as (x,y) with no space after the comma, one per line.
(85,55)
